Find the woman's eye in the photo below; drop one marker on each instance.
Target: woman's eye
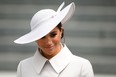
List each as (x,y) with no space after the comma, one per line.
(53,34)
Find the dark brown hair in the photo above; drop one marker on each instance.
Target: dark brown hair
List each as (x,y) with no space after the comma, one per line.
(59,26)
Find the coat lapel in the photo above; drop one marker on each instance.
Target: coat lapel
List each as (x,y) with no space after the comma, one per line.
(61,60)
(38,61)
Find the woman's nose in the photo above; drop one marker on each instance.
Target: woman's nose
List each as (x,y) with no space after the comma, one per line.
(48,40)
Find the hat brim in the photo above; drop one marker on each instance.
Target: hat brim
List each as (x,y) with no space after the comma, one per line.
(47,26)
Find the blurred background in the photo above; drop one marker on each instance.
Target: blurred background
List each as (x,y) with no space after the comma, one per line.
(90,33)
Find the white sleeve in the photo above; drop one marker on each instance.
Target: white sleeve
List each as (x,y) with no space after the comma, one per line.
(87,70)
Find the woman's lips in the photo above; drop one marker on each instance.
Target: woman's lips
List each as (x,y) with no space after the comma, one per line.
(49,47)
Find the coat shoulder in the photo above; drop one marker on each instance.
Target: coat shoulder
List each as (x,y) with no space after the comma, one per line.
(26,61)
(80,60)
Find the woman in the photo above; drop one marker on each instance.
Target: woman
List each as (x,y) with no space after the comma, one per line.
(52,58)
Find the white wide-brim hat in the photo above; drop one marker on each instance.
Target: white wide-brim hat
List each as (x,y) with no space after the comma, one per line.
(45,21)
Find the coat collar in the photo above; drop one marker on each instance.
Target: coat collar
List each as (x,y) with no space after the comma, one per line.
(58,62)
(38,61)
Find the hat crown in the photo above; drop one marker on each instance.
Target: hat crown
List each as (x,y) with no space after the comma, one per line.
(40,17)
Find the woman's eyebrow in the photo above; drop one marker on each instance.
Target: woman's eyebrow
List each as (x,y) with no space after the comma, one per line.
(53,32)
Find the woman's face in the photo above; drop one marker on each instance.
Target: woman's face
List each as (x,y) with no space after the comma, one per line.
(50,44)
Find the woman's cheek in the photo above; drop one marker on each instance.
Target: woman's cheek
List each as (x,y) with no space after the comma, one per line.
(57,40)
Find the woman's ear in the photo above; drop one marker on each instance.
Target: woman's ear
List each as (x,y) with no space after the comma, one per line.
(62,32)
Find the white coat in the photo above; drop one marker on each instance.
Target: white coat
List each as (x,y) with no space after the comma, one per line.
(64,64)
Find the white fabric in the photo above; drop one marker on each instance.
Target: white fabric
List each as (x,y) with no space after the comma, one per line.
(64,64)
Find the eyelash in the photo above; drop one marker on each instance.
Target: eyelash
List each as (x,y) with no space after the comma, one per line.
(53,35)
